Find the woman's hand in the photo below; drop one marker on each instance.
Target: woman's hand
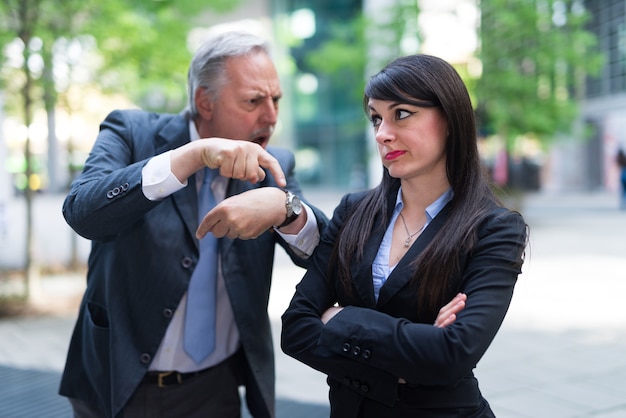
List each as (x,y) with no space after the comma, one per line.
(447,314)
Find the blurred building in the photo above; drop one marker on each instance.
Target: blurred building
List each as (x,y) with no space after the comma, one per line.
(330,133)
(322,118)
(604,107)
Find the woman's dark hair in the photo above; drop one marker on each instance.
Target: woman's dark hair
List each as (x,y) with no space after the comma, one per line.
(414,79)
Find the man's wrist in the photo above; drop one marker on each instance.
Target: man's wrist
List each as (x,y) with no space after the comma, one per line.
(293,208)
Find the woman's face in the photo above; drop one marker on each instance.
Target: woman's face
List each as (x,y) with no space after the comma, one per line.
(411,140)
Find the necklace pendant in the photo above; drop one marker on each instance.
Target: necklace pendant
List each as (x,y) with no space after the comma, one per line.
(407,242)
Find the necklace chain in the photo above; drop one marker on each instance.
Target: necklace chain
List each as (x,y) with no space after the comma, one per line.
(407,241)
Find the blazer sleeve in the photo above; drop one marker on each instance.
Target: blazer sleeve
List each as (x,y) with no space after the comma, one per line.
(302,327)
(366,345)
(107,197)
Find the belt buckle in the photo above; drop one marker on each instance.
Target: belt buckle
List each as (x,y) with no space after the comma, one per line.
(163,375)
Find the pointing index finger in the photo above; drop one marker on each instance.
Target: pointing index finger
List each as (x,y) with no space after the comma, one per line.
(269,162)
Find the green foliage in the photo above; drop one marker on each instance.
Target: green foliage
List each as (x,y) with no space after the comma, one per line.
(353,46)
(141,46)
(343,56)
(535,54)
(144,50)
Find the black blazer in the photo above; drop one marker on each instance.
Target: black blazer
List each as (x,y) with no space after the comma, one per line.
(370,344)
(142,257)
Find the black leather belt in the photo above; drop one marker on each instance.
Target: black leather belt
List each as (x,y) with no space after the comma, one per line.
(170,378)
(164,379)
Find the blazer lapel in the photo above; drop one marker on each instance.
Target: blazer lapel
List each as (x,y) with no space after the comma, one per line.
(362,272)
(186,201)
(403,272)
(173,135)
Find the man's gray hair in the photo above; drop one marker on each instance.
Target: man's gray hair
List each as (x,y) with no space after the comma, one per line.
(207,66)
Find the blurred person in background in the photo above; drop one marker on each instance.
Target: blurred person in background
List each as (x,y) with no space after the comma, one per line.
(621,163)
(366,312)
(138,348)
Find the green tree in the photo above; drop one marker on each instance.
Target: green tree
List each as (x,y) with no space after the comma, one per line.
(535,55)
(141,48)
(366,42)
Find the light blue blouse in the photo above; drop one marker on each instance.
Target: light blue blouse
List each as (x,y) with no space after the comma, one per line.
(380,267)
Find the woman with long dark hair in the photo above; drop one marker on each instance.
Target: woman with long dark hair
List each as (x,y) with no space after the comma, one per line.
(366,313)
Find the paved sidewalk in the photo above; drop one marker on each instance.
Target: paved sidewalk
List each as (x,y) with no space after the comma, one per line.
(560,353)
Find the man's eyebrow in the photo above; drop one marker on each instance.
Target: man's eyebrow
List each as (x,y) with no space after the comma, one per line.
(257,94)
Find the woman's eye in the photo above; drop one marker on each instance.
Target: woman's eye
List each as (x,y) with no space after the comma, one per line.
(375,120)
(402,114)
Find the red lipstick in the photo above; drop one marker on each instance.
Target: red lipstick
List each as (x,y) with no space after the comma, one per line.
(393,155)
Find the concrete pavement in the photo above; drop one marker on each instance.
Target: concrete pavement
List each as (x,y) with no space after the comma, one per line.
(560,352)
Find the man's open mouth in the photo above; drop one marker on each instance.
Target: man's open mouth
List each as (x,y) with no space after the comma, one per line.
(261,137)
(261,140)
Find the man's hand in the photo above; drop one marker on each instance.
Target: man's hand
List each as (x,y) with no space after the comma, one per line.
(246,215)
(242,160)
(447,314)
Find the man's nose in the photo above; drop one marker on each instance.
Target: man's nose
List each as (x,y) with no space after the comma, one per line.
(269,113)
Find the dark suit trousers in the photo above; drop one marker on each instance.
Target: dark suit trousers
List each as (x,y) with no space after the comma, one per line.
(213,393)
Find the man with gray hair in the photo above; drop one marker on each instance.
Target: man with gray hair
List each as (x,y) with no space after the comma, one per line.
(184,212)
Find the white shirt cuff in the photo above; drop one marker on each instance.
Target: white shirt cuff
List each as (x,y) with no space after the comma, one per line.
(309,236)
(157,180)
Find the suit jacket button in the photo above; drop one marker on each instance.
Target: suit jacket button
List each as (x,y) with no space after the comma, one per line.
(356,351)
(110,194)
(356,385)
(168,313)
(365,388)
(145,358)
(346,381)
(345,347)
(186,262)
(367,354)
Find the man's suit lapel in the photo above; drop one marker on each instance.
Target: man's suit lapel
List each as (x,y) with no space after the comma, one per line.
(174,135)
(186,202)
(403,272)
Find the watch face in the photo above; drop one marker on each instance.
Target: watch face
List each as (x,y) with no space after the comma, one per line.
(296,205)
(294,208)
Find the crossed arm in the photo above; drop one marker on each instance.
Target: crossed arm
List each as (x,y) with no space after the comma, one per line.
(445,317)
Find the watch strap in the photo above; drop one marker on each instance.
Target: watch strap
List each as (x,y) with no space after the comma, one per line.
(290,217)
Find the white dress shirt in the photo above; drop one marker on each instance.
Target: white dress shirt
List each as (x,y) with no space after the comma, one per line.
(158,182)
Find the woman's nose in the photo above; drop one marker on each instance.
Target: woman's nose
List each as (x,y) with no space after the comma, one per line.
(384,133)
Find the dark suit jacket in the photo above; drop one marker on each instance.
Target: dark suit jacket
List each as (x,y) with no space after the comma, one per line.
(143,253)
(366,347)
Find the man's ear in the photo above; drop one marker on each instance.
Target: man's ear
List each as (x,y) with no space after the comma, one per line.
(204,104)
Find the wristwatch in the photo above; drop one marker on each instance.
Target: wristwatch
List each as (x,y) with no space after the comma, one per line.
(293,206)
